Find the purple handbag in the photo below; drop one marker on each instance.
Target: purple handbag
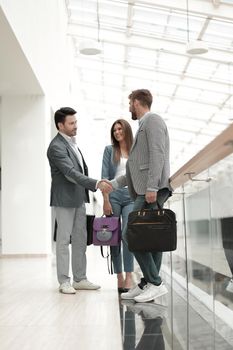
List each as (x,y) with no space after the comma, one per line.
(107,231)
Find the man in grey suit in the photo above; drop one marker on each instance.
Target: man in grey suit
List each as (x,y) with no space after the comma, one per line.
(147,177)
(69,192)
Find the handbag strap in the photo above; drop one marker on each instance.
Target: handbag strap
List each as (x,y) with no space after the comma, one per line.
(109,260)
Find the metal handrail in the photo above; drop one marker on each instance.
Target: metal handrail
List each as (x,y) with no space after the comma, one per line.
(215,151)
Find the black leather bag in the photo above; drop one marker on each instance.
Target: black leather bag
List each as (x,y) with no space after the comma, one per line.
(152,230)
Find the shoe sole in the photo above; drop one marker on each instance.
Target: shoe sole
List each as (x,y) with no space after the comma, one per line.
(150,299)
(87,288)
(67,292)
(127,298)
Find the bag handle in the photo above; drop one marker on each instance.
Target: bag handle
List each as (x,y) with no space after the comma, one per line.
(145,205)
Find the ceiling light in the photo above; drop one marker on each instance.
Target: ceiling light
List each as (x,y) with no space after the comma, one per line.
(196,47)
(90,47)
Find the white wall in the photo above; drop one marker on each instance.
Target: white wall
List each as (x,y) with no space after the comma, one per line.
(40,28)
(0,181)
(25,127)
(35,72)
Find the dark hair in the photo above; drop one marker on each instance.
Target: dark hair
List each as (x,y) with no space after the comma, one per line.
(143,96)
(61,114)
(128,135)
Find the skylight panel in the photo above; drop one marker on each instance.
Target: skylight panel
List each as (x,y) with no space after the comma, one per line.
(212,97)
(147,28)
(112,50)
(224,116)
(182,135)
(150,15)
(202,140)
(215,128)
(113,79)
(218,40)
(110,9)
(167,59)
(202,111)
(206,85)
(133,81)
(92,76)
(188,92)
(163,88)
(201,67)
(186,121)
(216,27)
(139,73)
(174,124)
(225,72)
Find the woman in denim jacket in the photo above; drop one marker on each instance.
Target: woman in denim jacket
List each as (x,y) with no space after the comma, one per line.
(119,202)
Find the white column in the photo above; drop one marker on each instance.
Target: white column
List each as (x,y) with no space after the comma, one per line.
(26,215)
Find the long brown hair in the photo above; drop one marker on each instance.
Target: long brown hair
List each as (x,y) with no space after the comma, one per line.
(128,137)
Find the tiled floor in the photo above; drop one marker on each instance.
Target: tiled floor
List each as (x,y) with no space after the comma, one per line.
(35,316)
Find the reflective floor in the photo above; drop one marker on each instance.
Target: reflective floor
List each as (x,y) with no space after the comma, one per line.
(32,308)
(142,325)
(175,326)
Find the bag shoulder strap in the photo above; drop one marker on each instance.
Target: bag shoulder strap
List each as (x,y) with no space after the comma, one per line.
(109,259)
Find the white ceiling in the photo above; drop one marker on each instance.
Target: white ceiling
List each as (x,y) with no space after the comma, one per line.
(144,46)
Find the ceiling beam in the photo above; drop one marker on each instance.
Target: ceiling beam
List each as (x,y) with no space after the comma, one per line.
(75,29)
(203,7)
(216,3)
(172,73)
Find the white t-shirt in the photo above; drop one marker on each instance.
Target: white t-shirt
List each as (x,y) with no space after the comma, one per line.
(121,167)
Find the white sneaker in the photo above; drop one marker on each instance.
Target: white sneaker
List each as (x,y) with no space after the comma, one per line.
(133,292)
(229,287)
(147,310)
(151,292)
(66,288)
(86,285)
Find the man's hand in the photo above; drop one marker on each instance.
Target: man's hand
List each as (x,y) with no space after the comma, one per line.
(151,197)
(107,208)
(105,186)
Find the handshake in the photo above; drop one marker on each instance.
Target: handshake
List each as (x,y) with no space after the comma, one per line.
(105,186)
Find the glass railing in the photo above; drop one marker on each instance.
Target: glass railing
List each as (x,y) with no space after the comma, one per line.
(197,313)
(201,269)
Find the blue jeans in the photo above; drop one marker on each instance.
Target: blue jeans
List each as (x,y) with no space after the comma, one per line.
(122,205)
(150,263)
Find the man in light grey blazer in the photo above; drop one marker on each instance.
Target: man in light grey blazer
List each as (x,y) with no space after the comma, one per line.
(147,177)
(69,192)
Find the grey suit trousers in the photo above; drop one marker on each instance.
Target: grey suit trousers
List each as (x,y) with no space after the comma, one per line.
(71,222)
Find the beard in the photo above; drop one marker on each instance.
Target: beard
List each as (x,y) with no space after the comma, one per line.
(133,113)
(133,116)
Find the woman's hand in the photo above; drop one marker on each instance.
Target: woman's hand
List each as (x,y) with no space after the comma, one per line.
(107,208)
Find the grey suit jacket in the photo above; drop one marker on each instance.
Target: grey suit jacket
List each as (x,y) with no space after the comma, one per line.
(69,185)
(148,166)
